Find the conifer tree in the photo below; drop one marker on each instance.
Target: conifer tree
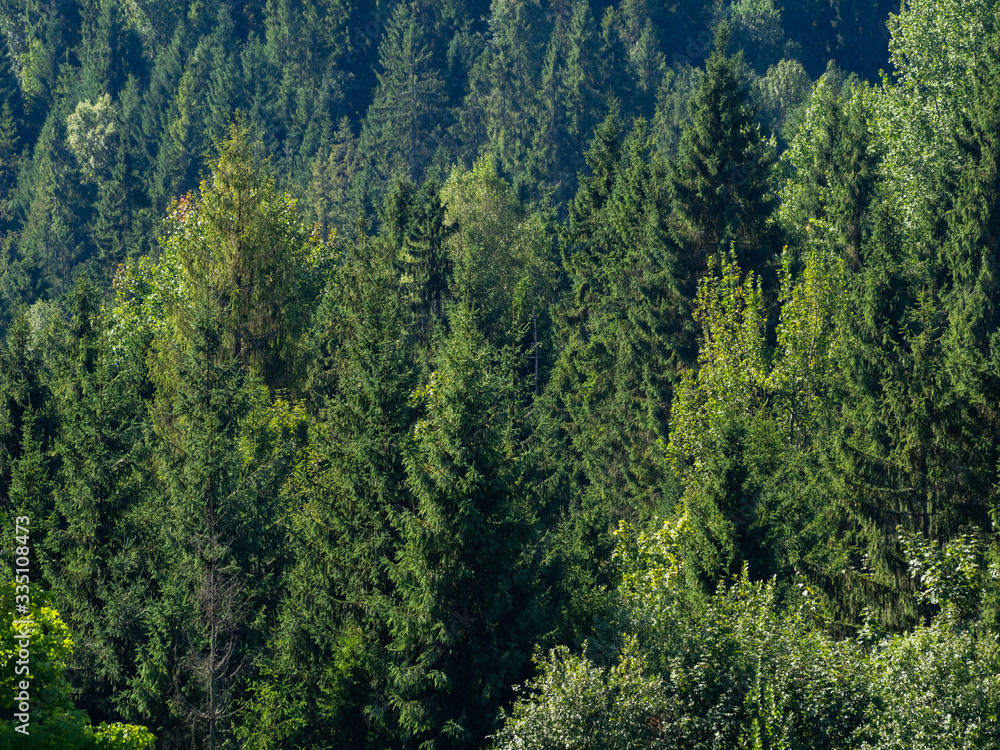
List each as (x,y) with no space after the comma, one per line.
(332,172)
(467,609)
(419,231)
(22,393)
(567,103)
(502,85)
(209,521)
(625,328)
(723,189)
(249,239)
(119,198)
(351,483)
(47,247)
(9,158)
(99,576)
(625,339)
(913,444)
(26,431)
(836,161)
(408,100)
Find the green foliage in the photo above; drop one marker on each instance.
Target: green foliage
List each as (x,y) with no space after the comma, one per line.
(935,688)
(500,252)
(89,132)
(742,425)
(784,93)
(723,177)
(739,670)
(954,576)
(407,102)
(933,49)
(244,245)
(756,29)
(575,704)
(349,483)
(289,490)
(468,606)
(53,720)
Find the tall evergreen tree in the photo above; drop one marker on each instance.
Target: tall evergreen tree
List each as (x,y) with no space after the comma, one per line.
(351,483)
(98,549)
(209,522)
(408,102)
(467,608)
(836,160)
(414,225)
(723,182)
(625,324)
(24,403)
(250,241)
(502,85)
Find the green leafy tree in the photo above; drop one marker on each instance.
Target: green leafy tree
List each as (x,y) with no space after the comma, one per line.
(501,257)
(53,721)
(618,707)
(743,425)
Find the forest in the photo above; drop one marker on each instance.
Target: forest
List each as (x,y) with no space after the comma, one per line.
(509,375)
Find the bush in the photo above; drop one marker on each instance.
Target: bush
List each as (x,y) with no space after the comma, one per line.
(54,722)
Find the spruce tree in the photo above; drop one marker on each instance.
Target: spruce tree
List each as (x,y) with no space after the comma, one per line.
(467,608)
(502,86)
(722,180)
(351,482)
(413,225)
(207,526)
(99,563)
(625,329)
(248,239)
(23,392)
(408,101)
(26,432)
(835,159)
(626,337)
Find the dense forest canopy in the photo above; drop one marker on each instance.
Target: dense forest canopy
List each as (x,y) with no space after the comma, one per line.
(520,374)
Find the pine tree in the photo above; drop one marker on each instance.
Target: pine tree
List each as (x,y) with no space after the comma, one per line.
(408,100)
(502,85)
(413,224)
(567,103)
(331,173)
(9,158)
(467,607)
(722,179)
(351,482)
(24,404)
(47,247)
